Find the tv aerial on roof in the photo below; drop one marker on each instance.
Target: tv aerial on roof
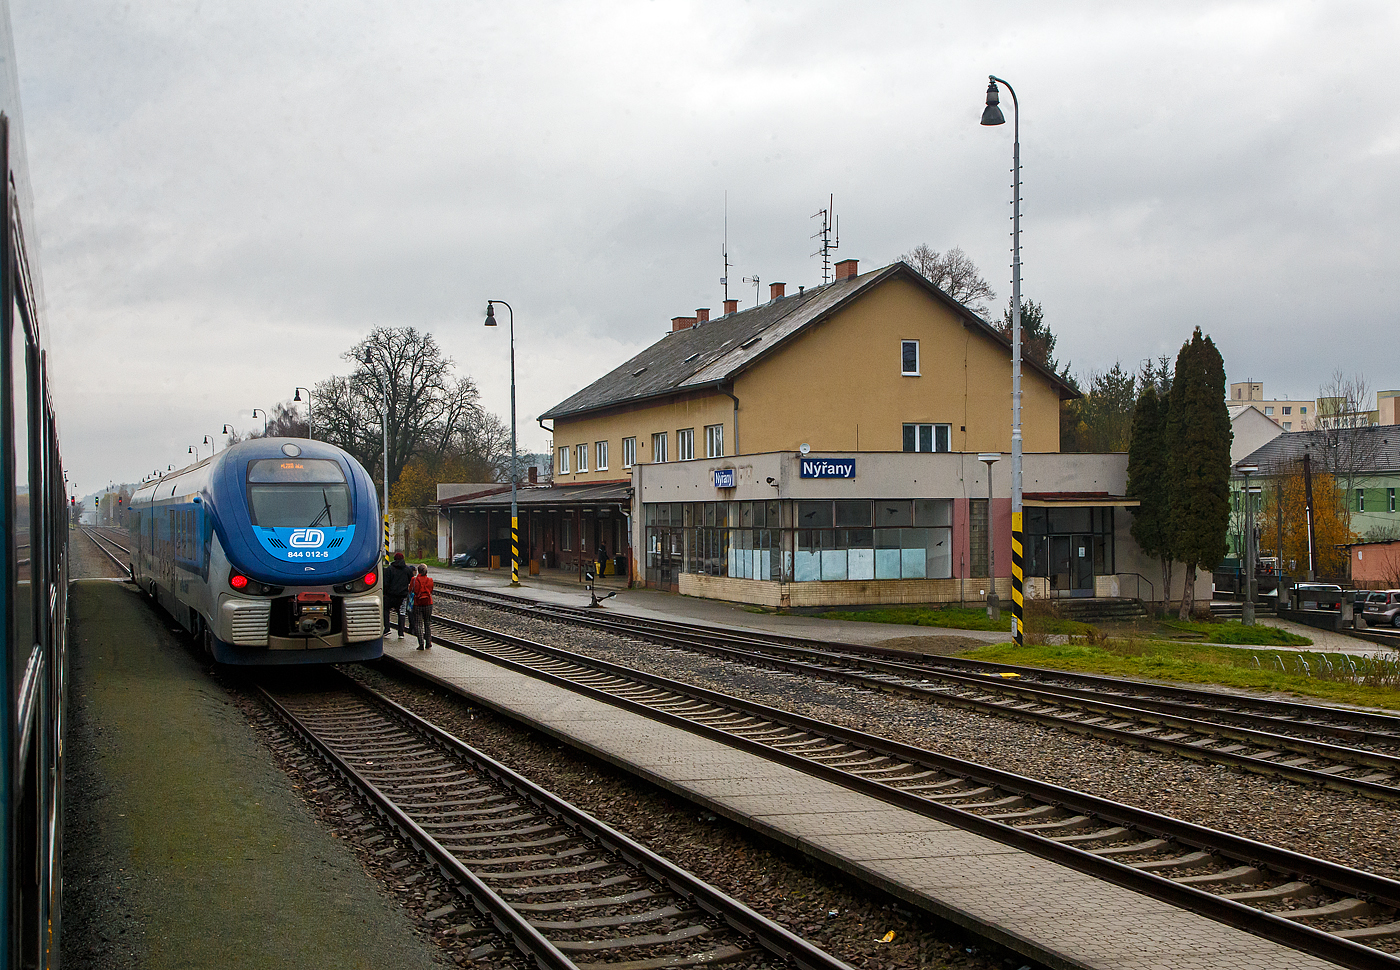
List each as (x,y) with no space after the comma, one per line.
(830,234)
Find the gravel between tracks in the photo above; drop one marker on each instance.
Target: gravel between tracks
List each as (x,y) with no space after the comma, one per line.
(1346,829)
(844,917)
(86,561)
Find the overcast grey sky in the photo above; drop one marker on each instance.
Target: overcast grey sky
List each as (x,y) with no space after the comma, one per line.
(231,194)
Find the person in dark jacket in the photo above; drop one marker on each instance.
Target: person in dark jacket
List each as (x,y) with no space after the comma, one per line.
(396,580)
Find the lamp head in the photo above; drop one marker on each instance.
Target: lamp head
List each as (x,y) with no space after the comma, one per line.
(190,451)
(297,395)
(490,314)
(992,114)
(228,429)
(1247,468)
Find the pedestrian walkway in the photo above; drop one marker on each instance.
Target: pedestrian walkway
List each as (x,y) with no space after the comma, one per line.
(184,845)
(1043,911)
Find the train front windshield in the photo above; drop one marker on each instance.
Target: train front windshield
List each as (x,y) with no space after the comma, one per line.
(298,493)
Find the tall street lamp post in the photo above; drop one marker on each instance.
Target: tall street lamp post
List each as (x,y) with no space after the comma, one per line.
(514,471)
(384,429)
(310,427)
(992,116)
(1247,611)
(209,440)
(256,412)
(990,458)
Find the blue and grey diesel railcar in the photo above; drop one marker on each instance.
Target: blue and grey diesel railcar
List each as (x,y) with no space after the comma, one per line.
(268,552)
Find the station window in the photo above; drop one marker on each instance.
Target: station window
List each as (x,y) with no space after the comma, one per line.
(658,448)
(714,441)
(600,452)
(583,458)
(1269,411)
(928,437)
(629,452)
(685,444)
(564,460)
(1390,492)
(909,358)
(1361,500)
(1287,410)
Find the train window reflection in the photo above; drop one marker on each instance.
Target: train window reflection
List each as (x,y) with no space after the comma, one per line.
(299,506)
(21,491)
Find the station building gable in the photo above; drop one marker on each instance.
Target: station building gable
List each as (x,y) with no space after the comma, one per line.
(883,361)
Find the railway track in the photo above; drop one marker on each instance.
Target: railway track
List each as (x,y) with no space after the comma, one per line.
(1352,751)
(1335,912)
(110,549)
(565,889)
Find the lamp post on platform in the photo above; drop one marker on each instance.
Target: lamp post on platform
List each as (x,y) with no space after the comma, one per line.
(1247,611)
(990,458)
(992,116)
(256,412)
(310,427)
(514,458)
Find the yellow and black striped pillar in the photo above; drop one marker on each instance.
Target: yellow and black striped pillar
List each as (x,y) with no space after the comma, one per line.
(514,551)
(386,540)
(1018,575)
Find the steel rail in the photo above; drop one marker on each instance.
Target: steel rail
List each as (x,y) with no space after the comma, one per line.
(1165,714)
(1345,880)
(752,925)
(1386,724)
(125,567)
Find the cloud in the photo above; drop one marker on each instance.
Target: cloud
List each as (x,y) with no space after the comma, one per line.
(230,195)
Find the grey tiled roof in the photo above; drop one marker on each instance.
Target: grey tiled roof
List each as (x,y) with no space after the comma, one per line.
(538,496)
(715,352)
(1377,447)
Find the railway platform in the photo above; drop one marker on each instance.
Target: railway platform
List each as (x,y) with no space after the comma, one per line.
(184,844)
(1052,915)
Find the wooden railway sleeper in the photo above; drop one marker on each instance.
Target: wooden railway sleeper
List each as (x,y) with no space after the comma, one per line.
(597,902)
(621,919)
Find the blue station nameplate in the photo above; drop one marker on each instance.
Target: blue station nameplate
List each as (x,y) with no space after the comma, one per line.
(828,468)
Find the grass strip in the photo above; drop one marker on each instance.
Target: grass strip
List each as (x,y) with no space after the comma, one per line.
(959,618)
(1372,682)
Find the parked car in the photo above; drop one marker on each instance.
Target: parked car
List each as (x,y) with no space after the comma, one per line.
(1383,606)
(472,557)
(1318,596)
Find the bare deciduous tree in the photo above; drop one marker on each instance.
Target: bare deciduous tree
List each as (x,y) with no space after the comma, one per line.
(954,273)
(1345,444)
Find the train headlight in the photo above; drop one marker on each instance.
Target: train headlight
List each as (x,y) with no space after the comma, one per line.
(361,584)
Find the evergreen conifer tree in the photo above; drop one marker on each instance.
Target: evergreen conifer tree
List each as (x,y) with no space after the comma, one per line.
(1147,482)
(1198,461)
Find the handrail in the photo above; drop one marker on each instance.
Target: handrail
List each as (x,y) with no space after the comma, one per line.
(1143,579)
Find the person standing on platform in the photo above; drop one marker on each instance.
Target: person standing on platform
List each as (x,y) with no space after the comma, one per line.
(396,580)
(422,589)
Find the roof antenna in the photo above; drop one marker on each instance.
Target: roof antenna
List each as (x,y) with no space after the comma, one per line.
(755,281)
(831,225)
(724,280)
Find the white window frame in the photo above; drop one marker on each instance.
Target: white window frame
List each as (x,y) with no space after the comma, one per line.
(582,458)
(685,444)
(1361,500)
(937,433)
(1391,495)
(600,456)
(714,441)
(629,452)
(564,459)
(658,448)
(918,362)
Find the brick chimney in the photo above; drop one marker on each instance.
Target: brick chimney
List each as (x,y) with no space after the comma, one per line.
(681,323)
(731,306)
(776,290)
(846,269)
(702,315)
